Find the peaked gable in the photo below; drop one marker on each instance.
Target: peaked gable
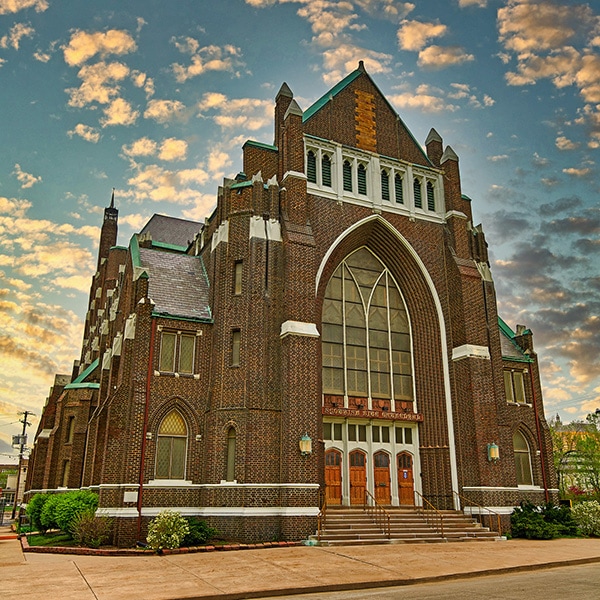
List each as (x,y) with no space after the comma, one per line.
(355,113)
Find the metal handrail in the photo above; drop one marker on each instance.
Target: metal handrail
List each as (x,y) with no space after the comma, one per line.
(432,515)
(321,519)
(481,508)
(378,514)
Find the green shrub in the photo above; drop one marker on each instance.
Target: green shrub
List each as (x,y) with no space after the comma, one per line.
(71,504)
(587,516)
(89,530)
(542,523)
(199,532)
(167,530)
(48,515)
(34,511)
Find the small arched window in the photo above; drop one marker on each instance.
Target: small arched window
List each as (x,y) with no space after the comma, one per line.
(430,196)
(362,179)
(398,188)
(417,193)
(347,176)
(311,167)
(326,170)
(171,447)
(230,476)
(522,459)
(385,185)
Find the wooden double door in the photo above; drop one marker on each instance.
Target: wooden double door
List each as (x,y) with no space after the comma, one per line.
(382,484)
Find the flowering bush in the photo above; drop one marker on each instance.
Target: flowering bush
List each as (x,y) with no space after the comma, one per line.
(167,530)
(89,530)
(587,516)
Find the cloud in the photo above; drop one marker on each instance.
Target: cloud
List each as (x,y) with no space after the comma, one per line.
(201,208)
(99,84)
(478,3)
(577,172)
(173,149)
(89,134)
(425,98)
(560,205)
(339,61)
(208,58)
(17,32)
(414,35)
(142,147)
(158,184)
(391,9)
(25,179)
(14,6)
(163,111)
(498,158)
(119,112)
(563,143)
(557,42)
(441,57)
(250,114)
(83,45)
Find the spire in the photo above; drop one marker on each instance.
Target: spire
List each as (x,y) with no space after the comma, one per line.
(112,199)
(108,233)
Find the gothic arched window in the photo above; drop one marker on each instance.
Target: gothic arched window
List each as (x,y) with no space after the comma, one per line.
(365,332)
(171,447)
(522,459)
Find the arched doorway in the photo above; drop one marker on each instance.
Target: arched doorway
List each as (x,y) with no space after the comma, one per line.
(358,477)
(406,486)
(333,477)
(382,478)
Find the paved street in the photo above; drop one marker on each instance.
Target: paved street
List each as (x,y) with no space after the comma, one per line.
(581,582)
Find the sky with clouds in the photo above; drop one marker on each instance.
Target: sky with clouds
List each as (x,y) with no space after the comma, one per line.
(155,99)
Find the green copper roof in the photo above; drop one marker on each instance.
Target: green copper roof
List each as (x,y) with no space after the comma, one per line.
(79,380)
(241,184)
(135,251)
(169,246)
(79,386)
(336,89)
(260,145)
(505,329)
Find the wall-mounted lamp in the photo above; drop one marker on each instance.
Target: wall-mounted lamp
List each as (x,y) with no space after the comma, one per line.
(493,452)
(305,445)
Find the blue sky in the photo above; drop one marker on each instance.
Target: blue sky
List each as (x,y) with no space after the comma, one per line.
(156,98)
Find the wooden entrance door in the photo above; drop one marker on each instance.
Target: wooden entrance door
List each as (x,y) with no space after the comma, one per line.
(406,487)
(358,477)
(382,478)
(333,477)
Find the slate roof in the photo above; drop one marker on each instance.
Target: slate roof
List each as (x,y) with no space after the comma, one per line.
(178,285)
(508,346)
(170,230)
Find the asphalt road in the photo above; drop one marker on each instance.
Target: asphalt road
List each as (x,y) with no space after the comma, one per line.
(562,583)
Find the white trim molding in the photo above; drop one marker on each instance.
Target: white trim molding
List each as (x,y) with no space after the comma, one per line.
(299,328)
(470,351)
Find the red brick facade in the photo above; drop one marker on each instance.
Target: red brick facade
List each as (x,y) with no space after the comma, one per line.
(226,331)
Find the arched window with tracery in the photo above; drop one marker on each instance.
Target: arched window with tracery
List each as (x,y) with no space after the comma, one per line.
(522,459)
(366,345)
(171,447)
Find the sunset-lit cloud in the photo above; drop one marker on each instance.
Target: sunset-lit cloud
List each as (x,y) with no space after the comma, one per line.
(89,134)
(16,34)
(242,113)
(441,57)
(83,45)
(414,35)
(163,111)
(26,180)
(119,112)
(100,83)
(14,6)
(208,58)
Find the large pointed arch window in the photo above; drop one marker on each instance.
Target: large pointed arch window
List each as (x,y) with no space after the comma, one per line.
(365,332)
(171,448)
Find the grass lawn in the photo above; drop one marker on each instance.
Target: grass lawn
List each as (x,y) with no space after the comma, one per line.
(57,538)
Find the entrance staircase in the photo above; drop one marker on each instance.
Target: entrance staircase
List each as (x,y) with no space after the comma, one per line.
(355,526)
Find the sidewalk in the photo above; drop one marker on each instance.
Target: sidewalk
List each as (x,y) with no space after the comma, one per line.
(274,571)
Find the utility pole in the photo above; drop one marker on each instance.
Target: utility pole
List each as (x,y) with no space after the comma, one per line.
(22,444)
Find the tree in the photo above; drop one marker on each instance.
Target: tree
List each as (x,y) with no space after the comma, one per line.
(577,455)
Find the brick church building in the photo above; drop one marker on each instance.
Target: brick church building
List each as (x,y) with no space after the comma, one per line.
(329,334)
